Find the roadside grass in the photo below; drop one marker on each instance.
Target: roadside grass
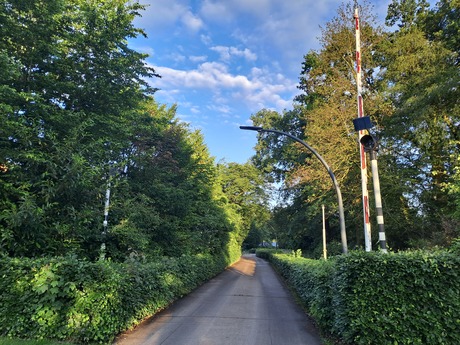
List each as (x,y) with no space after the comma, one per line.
(8,341)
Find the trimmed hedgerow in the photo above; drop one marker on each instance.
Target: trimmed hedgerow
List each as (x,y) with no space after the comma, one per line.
(406,298)
(376,298)
(91,302)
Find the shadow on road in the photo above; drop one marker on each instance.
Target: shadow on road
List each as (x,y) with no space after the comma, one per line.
(247,304)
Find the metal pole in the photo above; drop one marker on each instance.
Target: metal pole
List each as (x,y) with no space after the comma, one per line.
(378,200)
(362,154)
(343,233)
(324,235)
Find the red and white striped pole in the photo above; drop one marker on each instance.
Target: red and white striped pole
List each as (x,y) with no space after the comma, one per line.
(362,154)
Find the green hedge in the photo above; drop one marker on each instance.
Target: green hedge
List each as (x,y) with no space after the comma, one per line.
(91,302)
(375,298)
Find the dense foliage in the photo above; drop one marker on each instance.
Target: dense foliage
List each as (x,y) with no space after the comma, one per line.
(373,298)
(68,298)
(79,121)
(410,90)
(246,192)
(69,87)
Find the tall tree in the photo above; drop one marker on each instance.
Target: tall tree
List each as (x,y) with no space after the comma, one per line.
(166,201)
(420,76)
(71,80)
(324,113)
(410,90)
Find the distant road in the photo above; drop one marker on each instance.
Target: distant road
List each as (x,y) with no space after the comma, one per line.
(247,304)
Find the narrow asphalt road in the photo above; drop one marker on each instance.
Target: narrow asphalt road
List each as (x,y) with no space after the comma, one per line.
(246,304)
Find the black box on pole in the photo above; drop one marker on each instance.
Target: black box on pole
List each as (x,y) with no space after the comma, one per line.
(362,123)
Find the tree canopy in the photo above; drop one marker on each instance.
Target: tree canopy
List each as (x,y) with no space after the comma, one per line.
(79,120)
(410,91)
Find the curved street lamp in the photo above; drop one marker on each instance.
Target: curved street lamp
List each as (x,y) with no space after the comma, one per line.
(343,233)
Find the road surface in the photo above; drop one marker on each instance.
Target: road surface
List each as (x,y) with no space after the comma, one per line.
(247,304)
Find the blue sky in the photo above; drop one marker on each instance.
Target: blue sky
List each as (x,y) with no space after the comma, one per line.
(223,60)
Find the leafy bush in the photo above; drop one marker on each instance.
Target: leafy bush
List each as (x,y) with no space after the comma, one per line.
(8,341)
(375,298)
(406,298)
(266,253)
(71,299)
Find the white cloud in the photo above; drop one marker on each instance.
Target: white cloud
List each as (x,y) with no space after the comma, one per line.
(198,58)
(224,109)
(260,89)
(177,58)
(195,109)
(274,29)
(227,52)
(223,52)
(161,13)
(216,11)
(164,15)
(144,49)
(206,39)
(192,22)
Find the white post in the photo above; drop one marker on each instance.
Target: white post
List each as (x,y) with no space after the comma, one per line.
(106,207)
(324,235)
(378,201)
(105,223)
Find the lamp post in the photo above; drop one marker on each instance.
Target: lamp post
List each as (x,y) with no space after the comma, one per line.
(370,145)
(343,233)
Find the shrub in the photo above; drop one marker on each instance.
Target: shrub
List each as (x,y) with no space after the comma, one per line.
(405,298)
(86,302)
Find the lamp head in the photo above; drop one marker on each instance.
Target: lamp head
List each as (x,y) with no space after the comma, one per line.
(252,128)
(369,142)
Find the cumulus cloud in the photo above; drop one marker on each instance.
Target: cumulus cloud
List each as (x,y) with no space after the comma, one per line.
(259,89)
(226,53)
(207,75)
(278,29)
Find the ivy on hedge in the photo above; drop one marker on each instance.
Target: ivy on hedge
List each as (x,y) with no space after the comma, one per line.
(375,298)
(91,302)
